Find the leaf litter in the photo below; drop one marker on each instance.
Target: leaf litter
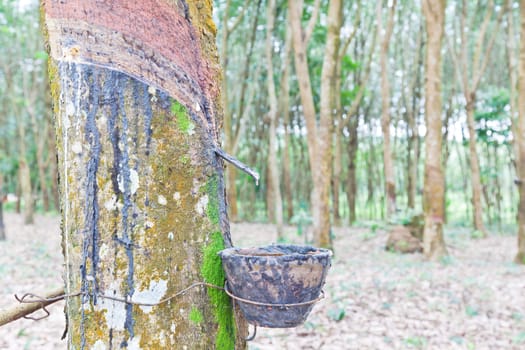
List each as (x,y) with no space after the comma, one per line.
(473,299)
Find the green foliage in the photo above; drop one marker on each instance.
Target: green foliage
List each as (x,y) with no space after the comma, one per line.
(348,66)
(373,227)
(336,314)
(302,219)
(457,339)
(447,260)
(41,55)
(476,234)
(369,235)
(416,342)
(406,217)
(492,119)
(471,311)
(347,96)
(519,338)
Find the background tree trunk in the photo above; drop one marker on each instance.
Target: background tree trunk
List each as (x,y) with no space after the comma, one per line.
(469,74)
(284,107)
(24,177)
(520,140)
(433,241)
(26,191)
(475,177)
(143,204)
(232,129)
(318,137)
(2,196)
(273,165)
(388,162)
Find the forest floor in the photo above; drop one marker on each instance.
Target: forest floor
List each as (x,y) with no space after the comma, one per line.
(474,299)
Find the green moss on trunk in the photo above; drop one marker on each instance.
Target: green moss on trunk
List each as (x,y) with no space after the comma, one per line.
(183,120)
(196,315)
(213,273)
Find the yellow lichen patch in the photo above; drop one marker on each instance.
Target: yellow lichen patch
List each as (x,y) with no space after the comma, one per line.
(54,85)
(94,333)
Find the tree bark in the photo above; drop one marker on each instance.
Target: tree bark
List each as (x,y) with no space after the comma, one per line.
(351,181)
(338,147)
(284,106)
(26,191)
(412,106)
(361,81)
(2,196)
(475,177)
(273,166)
(469,74)
(520,140)
(433,241)
(136,91)
(388,162)
(229,130)
(24,177)
(318,136)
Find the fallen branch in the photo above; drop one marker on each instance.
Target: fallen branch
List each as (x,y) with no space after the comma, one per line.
(24,309)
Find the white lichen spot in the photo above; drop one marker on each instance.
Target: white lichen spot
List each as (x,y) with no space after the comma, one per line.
(103,251)
(76,147)
(99,345)
(181,311)
(152,295)
(162,339)
(149,224)
(197,107)
(70,111)
(171,236)
(111,204)
(173,327)
(133,182)
(102,122)
(134,177)
(201,205)
(165,273)
(162,200)
(176,196)
(191,129)
(153,92)
(134,344)
(115,310)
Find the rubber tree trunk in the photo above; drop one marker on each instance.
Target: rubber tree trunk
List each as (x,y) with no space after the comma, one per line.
(136,89)
(319,135)
(275,202)
(474,168)
(388,159)
(26,190)
(433,191)
(24,177)
(520,140)
(2,225)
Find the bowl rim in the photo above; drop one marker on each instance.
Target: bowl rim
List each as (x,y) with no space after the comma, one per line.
(307,251)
